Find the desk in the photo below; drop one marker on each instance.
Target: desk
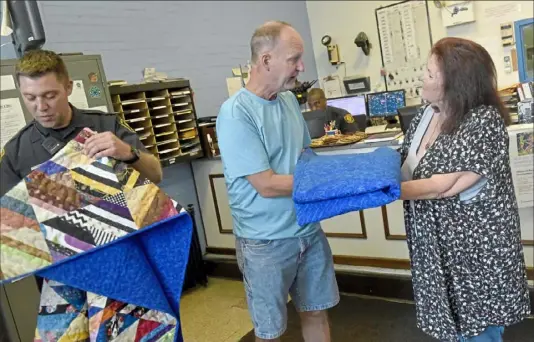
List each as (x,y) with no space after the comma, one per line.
(372,237)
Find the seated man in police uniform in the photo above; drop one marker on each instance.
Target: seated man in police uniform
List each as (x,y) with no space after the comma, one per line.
(345,122)
(45,87)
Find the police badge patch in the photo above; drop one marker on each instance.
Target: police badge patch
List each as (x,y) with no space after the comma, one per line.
(348,118)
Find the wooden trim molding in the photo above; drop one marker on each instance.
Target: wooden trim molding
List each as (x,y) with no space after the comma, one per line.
(216,203)
(390,236)
(385,221)
(220,250)
(368,284)
(362,235)
(398,264)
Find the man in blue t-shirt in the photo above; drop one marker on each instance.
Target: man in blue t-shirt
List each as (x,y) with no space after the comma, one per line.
(261,134)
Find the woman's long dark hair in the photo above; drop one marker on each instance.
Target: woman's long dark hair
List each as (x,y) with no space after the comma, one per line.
(470,80)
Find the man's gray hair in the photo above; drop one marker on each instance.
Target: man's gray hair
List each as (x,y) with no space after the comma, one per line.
(265,38)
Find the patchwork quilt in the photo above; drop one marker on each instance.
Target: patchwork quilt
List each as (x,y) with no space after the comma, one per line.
(111,246)
(329,185)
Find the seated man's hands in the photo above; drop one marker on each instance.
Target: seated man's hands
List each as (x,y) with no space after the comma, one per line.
(107,144)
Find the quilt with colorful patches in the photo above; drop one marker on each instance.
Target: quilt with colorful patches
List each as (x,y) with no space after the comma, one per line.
(112,247)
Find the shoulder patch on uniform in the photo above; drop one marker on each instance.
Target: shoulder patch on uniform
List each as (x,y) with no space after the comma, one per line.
(348,118)
(2,152)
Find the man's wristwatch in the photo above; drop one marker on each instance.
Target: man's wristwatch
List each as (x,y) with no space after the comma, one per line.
(136,153)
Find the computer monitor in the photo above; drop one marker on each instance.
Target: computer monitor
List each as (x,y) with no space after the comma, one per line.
(406,114)
(352,104)
(315,121)
(385,103)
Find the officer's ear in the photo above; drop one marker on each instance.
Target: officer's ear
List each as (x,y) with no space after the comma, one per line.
(68,86)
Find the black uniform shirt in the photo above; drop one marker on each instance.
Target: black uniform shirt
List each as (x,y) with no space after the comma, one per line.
(344,120)
(25,150)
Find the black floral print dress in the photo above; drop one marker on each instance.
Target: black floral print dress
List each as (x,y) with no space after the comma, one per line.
(467,260)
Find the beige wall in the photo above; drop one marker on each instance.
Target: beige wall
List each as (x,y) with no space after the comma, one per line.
(343,20)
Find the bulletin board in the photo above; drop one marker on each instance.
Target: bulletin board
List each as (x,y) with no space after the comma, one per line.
(405,41)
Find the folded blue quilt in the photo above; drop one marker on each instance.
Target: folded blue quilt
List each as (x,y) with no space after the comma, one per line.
(329,185)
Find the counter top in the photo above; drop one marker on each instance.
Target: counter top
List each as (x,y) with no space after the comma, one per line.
(396,143)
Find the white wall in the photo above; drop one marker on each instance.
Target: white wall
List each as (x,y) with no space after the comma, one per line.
(343,20)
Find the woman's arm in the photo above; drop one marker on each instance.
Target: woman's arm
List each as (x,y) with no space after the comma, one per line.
(438,186)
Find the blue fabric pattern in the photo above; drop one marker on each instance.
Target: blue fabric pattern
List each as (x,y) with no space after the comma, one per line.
(330,185)
(135,268)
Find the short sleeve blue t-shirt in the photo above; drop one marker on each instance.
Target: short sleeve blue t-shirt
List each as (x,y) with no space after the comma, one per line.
(256,135)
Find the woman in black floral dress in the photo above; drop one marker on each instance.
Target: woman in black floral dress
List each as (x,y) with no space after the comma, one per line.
(461,215)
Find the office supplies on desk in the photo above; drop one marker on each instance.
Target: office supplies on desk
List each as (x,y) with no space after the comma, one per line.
(331,132)
(332,125)
(329,128)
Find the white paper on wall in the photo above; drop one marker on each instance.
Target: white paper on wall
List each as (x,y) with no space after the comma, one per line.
(11,119)
(522,163)
(78,98)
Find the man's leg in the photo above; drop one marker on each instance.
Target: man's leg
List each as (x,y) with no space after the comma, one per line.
(315,289)
(269,267)
(315,326)
(257,339)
